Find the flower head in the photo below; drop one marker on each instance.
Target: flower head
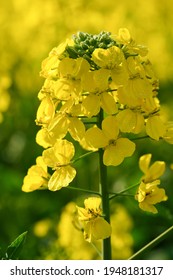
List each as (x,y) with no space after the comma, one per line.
(115,147)
(37,176)
(95,226)
(58,158)
(148,193)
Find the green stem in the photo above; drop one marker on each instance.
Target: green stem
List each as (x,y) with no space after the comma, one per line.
(83,156)
(123,191)
(105,196)
(83,190)
(151,244)
(141,137)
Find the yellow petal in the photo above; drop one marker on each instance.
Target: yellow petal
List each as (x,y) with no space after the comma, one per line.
(148,207)
(62,89)
(93,203)
(126,146)
(58,126)
(101,77)
(130,121)
(168,137)
(112,156)
(108,58)
(108,103)
(115,154)
(120,75)
(110,127)
(97,229)
(126,99)
(156,170)
(124,35)
(83,214)
(101,229)
(155,128)
(40,162)
(157,195)
(95,81)
(144,162)
(49,66)
(49,157)
(36,176)
(62,177)
(96,138)
(44,138)
(91,105)
(76,129)
(64,151)
(67,67)
(46,111)
(32,183)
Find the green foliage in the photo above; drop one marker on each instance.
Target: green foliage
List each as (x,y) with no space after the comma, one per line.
(14,249)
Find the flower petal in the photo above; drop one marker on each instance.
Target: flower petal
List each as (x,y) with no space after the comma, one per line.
(96,138)
(101,229)
(93,203)
(144,162)
(108,103)
(156,170)
(148,207)
(97,229)
(155,127)
(64,151)
(62,177)
(91,105)
(110,127)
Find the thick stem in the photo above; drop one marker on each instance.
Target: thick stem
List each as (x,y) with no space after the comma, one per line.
(105,196)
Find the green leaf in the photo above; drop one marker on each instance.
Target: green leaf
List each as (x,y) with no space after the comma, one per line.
(15,247)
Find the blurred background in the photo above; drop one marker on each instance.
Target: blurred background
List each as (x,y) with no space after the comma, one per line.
(29,29)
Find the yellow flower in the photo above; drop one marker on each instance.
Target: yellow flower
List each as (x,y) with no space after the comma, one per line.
(58,158)
(148,192)
(36,177)
(152,172)
(60,124)
(95,85)
(131,46)
(130,121)
(50,64)
(114,60)
(95,226)
(77,248)
(115,148)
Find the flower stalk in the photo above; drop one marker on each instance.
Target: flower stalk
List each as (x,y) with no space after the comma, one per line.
(105,195)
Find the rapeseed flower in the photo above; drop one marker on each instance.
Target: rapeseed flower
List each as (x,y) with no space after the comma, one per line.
(37,176)
(148,193)
(95,226)
(95,85)
(115,147)
(58,158)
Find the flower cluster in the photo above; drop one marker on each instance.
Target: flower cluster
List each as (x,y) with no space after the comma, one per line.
(88,77)
(149,193)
